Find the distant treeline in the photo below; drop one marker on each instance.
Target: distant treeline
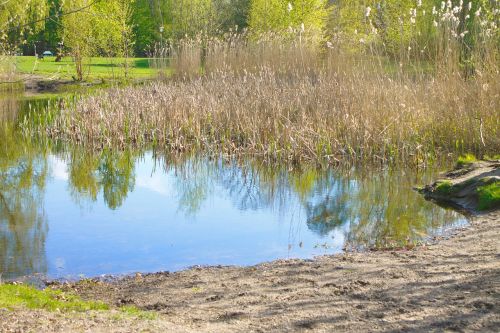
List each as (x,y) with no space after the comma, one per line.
(405,29)
(114,27)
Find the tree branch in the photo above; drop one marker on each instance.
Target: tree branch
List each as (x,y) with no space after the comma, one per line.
(56,15)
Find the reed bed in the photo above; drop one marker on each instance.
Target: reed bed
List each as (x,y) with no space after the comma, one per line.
(287,99)
(307,114)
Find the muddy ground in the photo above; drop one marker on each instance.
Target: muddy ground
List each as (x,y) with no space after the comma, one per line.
(450,286)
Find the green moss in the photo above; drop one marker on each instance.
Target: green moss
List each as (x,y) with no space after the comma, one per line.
(489,196)
(12,296)
(444,187)
(465,160)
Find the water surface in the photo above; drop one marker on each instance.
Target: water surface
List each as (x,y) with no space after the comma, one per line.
(66,212)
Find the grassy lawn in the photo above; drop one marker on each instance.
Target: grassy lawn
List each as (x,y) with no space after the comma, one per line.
(96,68)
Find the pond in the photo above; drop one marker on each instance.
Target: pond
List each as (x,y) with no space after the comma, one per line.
(66,212)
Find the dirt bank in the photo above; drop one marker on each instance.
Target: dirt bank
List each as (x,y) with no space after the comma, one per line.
(451,286)
(461,187)
(36,84)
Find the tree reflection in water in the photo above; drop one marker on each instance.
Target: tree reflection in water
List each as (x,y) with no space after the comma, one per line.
(377,208)
(23,224)
(111,172)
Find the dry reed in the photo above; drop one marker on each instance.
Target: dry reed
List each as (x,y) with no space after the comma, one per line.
(292,101)
(323,114)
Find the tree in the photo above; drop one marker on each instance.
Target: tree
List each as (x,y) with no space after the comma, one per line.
(281,15)
(48,36)
(365,21)
(145,23)
(51,33)
(112,30)
(267,15)
(19,19)
(97,28)
(231,14)
(190,17)
(78,31)
(154,21)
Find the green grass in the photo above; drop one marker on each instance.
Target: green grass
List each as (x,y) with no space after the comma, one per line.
(444,187)
(23,296)
(489,196)
(12,296)
(492,158)
(133,311)
(465,160)
(106,68)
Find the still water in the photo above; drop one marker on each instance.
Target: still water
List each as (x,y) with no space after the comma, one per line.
(66,212)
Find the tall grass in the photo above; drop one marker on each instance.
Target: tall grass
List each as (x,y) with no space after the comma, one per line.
(292,100)
(9,80)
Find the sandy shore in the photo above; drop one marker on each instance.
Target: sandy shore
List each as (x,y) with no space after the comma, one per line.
(453,285)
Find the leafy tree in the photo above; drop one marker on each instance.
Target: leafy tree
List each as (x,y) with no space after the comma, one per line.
(189,17)
(145,23)
(281,15)
(113,31)
(78,32)
(97,28)
(18,20)
(268,15)
(154,21)
(51,33)
(47,35)
(231,14)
